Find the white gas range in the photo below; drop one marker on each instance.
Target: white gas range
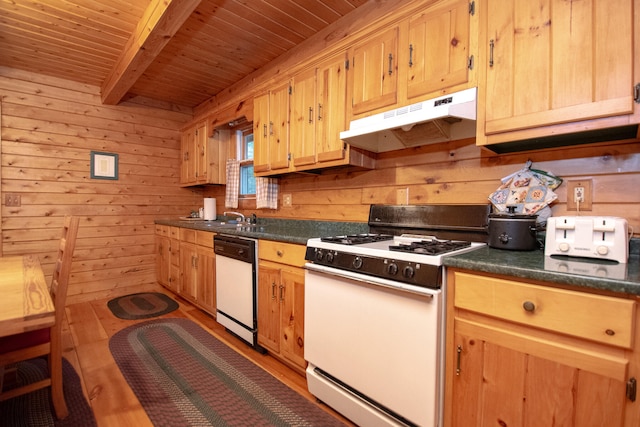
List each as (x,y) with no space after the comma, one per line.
(374,312)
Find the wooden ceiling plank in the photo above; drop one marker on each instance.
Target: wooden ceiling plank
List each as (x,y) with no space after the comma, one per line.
(162,19)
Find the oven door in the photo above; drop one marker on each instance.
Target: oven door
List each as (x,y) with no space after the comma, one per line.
(381,343)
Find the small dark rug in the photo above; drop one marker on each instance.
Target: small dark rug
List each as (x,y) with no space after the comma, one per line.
(35,409)
(141,306)
(182,375)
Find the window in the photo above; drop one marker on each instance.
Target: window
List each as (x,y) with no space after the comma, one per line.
(244,137)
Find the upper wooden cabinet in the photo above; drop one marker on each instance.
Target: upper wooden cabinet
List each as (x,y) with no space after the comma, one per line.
(310,125)
(271,131)
(374,72)
(438,48)
(552,62)
(203,156)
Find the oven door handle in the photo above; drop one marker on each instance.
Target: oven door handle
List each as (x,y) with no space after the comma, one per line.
(425,292)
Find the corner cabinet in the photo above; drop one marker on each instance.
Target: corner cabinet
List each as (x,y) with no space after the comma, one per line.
(555,67)
(203,156)
(522,353)
(198,269)
(281,301)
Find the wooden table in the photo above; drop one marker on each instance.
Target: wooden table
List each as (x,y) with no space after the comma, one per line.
(25,302)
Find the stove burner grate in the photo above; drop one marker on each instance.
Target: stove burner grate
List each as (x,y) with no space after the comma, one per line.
(357,239)
(431,247)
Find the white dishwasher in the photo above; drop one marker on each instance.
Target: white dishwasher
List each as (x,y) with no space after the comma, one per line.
(237,286)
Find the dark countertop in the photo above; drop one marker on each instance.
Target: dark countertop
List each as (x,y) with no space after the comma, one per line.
(594,274)
(623,278)
(281,230)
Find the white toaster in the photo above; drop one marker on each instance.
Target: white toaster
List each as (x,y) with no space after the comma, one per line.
(601,237)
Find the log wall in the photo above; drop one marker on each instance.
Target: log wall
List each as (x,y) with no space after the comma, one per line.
(48,129)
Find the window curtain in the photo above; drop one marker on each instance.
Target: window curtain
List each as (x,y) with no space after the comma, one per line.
(266,193)
(233,184)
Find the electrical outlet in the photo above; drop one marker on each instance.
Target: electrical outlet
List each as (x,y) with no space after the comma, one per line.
(286,200)
(579,195)
(402,196)
(11,199)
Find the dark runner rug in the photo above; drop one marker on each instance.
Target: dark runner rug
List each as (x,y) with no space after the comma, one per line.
(182,375)
(35,409)
(142,306)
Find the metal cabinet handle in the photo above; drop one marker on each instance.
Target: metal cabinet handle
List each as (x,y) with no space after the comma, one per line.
(491,45)
(319,111)
(390,64)
(279,253)
(310,115)
(411,55)
(264,130)
(529,306)
(458,351)
(273,290)
(281,293)
(270,128)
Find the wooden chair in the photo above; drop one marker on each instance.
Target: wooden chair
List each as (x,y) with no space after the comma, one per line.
(32,344)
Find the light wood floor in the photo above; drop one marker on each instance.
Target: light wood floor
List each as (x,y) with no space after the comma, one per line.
(86,346)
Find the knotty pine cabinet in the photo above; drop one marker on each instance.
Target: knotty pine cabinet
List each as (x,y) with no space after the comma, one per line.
(281,301)
(198,269)
(271,131)
(421,57)
(204,156)
(521,353)
(551,67)
(167,256)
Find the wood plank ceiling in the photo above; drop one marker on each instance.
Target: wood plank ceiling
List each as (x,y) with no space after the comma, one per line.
(180,52)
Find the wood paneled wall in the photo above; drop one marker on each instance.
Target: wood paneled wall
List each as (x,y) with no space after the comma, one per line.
(49,127)
(460,172)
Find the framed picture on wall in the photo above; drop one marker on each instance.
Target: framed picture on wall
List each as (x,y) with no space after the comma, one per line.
(104,165)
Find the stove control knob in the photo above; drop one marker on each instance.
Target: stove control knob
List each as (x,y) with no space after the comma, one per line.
(319,255)
(329,257)
(392,269)
(357,263)
(408,272)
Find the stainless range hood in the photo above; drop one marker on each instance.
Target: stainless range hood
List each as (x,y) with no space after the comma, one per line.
(447,118)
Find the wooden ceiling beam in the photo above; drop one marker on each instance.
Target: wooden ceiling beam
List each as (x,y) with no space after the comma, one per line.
(160,22)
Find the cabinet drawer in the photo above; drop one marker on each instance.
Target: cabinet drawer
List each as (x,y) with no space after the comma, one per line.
(174,232)
(286,253)
(599,318)
(162,230)
(205,238)
(187,235)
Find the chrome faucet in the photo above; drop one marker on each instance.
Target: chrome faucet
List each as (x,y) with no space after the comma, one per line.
(238,214)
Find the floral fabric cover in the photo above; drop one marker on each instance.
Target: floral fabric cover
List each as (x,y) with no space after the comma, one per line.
(529,190)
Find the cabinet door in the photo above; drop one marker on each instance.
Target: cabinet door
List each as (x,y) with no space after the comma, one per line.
(269,291)
(552,61)
(201,153)
(206,279)
(438,48)
(189,272)
(279,138)
(496,384)
(292,315)
(188,150)
(163,260)
(261,132)
(303,118)
(374,72)
(331,118)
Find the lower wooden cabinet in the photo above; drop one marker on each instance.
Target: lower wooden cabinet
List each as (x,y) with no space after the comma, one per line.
(168,256)
(527,354)
(281,302)
(198,269)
